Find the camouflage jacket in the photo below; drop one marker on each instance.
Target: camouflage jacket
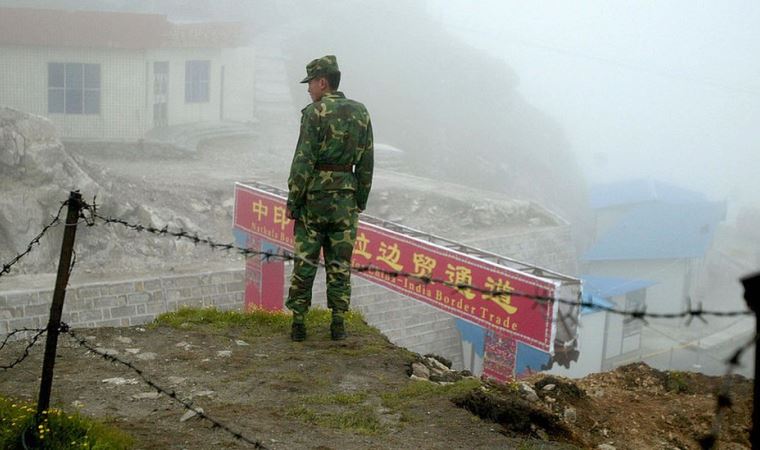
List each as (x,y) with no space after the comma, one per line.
(334,130)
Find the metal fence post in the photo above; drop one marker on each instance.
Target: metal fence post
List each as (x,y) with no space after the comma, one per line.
(56,309)
(752,296)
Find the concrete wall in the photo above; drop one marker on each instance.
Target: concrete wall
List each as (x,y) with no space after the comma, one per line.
(122,303)
(673,284)
(126,88)
(549,247)
(24,86)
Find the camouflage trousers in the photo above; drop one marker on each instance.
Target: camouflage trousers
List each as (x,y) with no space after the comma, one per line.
(334,235)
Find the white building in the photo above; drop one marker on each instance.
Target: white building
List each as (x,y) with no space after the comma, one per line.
(113,76)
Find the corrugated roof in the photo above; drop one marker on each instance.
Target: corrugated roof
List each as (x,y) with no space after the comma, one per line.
(608,287)
(101,29)
(660,231)
(85,29)
(631,192)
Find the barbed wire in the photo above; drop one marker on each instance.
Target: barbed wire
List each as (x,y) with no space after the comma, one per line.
(35,241)
(641,314)
(724,402)
(169,393)
(38,332)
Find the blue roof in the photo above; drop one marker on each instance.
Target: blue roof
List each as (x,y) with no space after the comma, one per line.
(597,301)
(660,231)
(636,191)
(607,287)
(597,290)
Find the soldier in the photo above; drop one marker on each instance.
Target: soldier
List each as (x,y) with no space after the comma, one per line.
(329,182)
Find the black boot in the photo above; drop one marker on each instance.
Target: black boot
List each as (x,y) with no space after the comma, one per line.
(298,332)
(337,329)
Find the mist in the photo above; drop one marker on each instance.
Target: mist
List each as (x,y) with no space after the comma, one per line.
(646,89)
(539,102)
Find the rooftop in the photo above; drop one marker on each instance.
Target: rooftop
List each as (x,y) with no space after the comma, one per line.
(102,29)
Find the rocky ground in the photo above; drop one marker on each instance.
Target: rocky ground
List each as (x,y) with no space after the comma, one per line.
(359,394)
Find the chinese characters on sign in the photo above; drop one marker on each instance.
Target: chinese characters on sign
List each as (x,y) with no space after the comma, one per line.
(382,255)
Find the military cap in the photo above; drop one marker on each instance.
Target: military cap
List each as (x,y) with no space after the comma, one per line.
(321,66)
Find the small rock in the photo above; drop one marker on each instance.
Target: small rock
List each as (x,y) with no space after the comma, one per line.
(184,345)
(606,447)
(118,381)
(550,399)
(124,340)
(436,365)
(204,394)
(176,380)
(147,356)
(416,378)
(107,351)
(527,392)
(420,370)
(224,353)
(77,404)
(141,329)
(190,414)
(549,387)
(146,396)
(261,355)
(132,351)
(241,343)
(570,414)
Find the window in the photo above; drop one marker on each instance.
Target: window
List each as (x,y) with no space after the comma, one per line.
(73,88)
(197,74)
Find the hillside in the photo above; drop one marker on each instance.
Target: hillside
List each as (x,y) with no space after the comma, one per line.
(243,371)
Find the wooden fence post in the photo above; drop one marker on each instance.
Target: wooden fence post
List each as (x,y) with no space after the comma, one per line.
(56,309)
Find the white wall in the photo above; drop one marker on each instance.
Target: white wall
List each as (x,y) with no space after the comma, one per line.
(238,84)
(24,86)
(670,292)
(181,111)
(591,336)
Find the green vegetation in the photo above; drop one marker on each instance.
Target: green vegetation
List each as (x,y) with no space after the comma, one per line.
(362,420)
(422,390)
(257,322)
(58,430)
(341,398)
(677,382)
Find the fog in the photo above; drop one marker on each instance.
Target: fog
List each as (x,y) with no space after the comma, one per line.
(667,90)
(662,89)
(541,101)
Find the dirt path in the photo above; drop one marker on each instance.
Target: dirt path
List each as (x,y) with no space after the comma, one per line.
(356,394)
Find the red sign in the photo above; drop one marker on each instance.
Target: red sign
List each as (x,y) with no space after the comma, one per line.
(263,214)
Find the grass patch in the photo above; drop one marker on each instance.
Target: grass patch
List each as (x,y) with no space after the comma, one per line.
(336,399)
(362,420)
(416,391)
(257,322)
(59,430)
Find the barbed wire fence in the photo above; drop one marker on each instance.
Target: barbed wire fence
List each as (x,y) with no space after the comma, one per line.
(89,215)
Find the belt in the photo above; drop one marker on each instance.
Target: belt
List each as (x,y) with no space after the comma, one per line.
(335,167)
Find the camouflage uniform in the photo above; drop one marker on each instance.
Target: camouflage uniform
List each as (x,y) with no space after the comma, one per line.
(325,194)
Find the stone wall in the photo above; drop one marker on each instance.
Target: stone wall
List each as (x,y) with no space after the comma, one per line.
(122,303)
